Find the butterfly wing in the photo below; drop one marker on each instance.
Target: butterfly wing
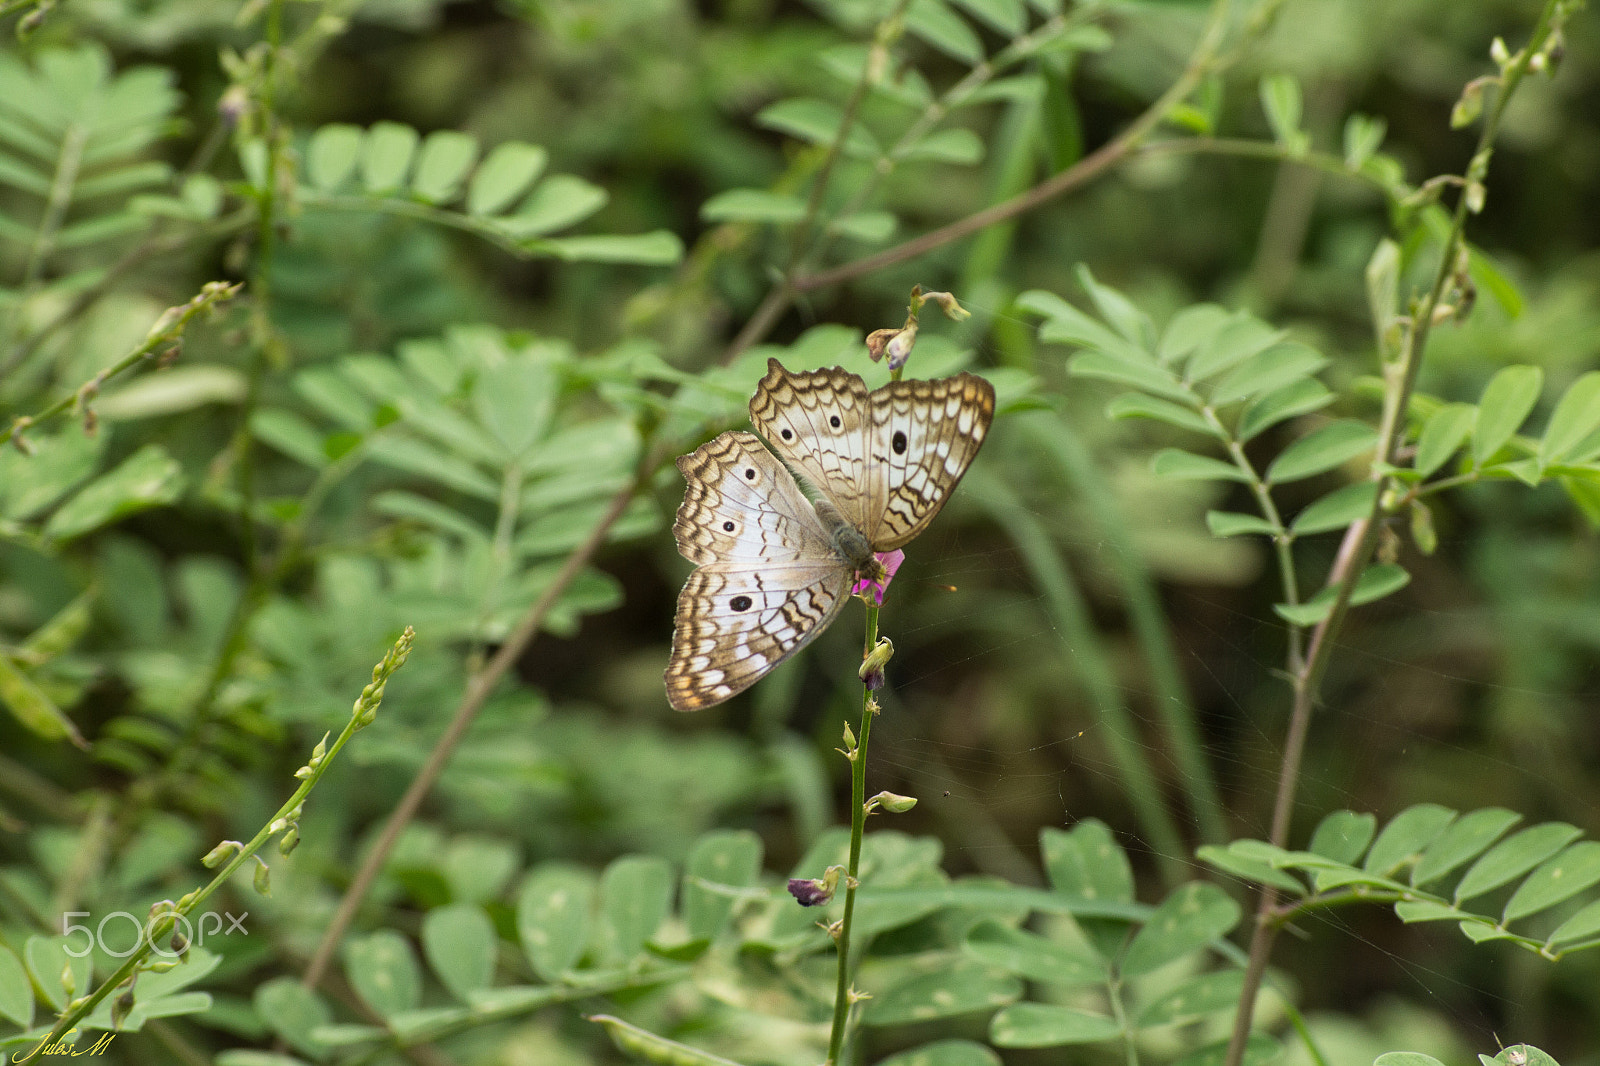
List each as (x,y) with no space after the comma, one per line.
(769,580)
(922,438)
(818,421)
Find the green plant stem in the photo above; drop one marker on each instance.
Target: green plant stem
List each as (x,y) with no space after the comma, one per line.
(1361,537)
(1269,151)
(1130,1047)
(166,331)
(1057,439)
(478,690)
(362,714)
(858,827)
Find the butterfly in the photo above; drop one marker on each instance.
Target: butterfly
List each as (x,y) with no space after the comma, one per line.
(774,568)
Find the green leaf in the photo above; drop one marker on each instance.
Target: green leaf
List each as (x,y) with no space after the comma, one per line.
(1295,399)
(657,248)
(1343,836)
(1559,878)
(1522,1055)
(720,861)
(870,227)
(1180,465)
(1259,1050)
(148,478)
(1139,405)
(1249,868)
(559,201)
(1363,135)
(1133,324)
(47,959)
(1269,371)
(1465,839)
(1491,279)
(944,1053)
(635,895)
(1188,919)
(1065,324)
(1404,838)
(290,434)
(1086,862)
(957,145)
(753,205)
(383,970)
(1048,1025)
(1506,403)
(445,158)
(1576,416)
(1376,582)
(173,391)
(30,706)
(553,917)
(1280,99)
(16,993)
(1233,524)
(644,1045)
(960,988)
(29,484)
(332,155)
(1513,857)
(514,401)
(1241,338)
(1581,926)
(1320,451)
(417,458)
(459,942)
(504,176)
(1032,956)
(1191,328)
(942,28)
(1195,998)
(292,1011)
(1405,1058)
(816,122)
(1337,509)
(1140,374)
(1445,432)
(1008,17)
(386,160)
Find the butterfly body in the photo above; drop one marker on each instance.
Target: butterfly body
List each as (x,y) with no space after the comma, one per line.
(775,568)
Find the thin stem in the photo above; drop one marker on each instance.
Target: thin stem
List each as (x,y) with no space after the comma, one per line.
(477,693)
(1201,63)
(363,714)
(1130,1047)
(1362,535)
(858,827)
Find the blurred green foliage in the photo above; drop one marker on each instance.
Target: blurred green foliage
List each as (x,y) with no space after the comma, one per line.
(501,262)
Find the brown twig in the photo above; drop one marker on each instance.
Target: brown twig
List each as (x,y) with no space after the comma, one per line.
(476,695)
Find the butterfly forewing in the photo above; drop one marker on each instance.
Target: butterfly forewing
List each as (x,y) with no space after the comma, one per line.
(924,435)
(741,505)
(818,420)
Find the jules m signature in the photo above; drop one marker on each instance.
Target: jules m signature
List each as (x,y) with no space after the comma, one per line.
(61,1047)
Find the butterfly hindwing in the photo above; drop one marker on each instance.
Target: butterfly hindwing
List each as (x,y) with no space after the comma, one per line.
(736,622)
(924,435)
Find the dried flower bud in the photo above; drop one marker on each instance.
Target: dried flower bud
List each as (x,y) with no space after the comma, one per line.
(878,340)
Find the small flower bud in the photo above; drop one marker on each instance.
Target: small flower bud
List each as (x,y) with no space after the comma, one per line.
(1499,52)
(179,943)
(871,672)
(947,303)
(849,738)
(290,841)
(122,1006)
(69,983)
(263,878)
(220,854)
(1422,531)
(889,801)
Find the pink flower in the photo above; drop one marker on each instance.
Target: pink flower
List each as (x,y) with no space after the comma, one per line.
(878,589)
